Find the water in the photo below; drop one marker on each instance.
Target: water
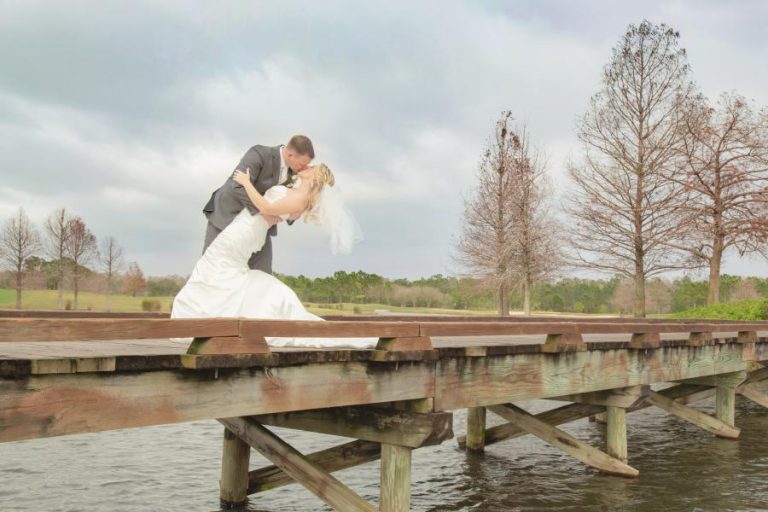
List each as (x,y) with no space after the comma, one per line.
(176,467)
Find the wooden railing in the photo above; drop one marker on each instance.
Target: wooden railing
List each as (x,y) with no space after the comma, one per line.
(86,329)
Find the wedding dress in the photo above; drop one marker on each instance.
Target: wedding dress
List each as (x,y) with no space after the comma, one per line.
(222,285)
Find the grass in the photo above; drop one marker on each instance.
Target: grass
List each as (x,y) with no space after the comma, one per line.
(46,299)
(750,309)
(348,308)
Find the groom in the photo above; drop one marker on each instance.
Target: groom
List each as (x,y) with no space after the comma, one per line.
(269,166)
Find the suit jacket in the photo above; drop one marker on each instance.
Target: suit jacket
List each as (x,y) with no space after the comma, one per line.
(230,199)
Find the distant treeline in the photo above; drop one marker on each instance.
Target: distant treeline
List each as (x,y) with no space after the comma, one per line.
(572,295)
(567,295)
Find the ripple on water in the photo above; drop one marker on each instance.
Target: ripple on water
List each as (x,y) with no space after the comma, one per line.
(176,467)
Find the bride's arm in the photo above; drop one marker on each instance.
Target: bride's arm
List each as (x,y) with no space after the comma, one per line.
(291,203)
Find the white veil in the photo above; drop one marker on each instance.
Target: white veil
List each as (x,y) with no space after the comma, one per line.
(337,221)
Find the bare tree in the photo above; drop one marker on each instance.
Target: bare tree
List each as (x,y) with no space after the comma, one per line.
(623,206)
(534,235)
(485,245)
(726,155)
(19,240)
(81,249)
(134,281)
(57,237)
(623,298)
(746,289)
(111,257)
(659,295)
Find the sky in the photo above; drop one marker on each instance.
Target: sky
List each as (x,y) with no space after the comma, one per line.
(130,113)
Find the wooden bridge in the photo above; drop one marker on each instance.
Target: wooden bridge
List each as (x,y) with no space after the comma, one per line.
(66,374)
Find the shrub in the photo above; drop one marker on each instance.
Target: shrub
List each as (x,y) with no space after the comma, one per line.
(750,309)
(151,305)
(357,310)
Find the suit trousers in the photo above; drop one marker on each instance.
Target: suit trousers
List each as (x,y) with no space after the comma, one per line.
(261,260)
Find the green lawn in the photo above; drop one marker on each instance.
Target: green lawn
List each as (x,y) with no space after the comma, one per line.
(46,299)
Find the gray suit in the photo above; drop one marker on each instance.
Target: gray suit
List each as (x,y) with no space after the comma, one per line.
(231,198)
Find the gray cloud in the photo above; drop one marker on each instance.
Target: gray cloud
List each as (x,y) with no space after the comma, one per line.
(130,114)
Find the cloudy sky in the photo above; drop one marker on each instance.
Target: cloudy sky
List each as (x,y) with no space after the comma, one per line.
(130,113)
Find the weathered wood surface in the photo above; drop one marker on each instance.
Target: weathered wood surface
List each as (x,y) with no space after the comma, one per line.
(475,438)
(509,328)
(694,416)
(52,405)
(389,317)
(236,454)
(369,424)
(228,345)
(318,481)
(45,329)
(331,459)
(620,397)
(310,329)
(587,454)
(725,405)
(552,375)
(405,343)
(684,393)
(753,392)
(20,359)
(616,432)
(571,342)
(60,329)
(395,483)
(557,416)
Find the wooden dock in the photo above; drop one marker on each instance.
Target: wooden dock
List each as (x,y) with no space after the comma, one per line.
(64,374)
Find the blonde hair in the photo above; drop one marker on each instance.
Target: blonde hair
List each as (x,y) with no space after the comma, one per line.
(323,177)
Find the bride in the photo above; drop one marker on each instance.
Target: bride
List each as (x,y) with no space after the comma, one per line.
(222,285)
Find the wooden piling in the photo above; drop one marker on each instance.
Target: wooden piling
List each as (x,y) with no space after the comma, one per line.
(395,485)
(616,432)
(233,487)
(475,429)
(725,404)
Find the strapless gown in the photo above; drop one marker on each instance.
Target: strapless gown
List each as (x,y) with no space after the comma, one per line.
(222,285)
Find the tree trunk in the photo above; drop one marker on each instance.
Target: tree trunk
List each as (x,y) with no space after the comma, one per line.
(527,295)
(639,302)
(503,299)
(74,286)
(18,290)
(713,292)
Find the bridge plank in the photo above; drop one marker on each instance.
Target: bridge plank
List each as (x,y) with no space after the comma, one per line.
(376,424)
(46,329)
(310,329)
(52,405)
(525,376)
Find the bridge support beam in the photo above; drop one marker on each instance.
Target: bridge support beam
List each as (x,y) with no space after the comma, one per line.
(233,487)
(616,432)
(395,486)
(475,440)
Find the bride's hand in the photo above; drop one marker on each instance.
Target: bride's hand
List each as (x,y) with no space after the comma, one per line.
(241,177)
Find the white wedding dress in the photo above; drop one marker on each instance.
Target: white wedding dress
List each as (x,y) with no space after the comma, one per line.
(222,285)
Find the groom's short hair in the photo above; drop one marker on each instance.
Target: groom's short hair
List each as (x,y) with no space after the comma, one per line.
(301,145)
